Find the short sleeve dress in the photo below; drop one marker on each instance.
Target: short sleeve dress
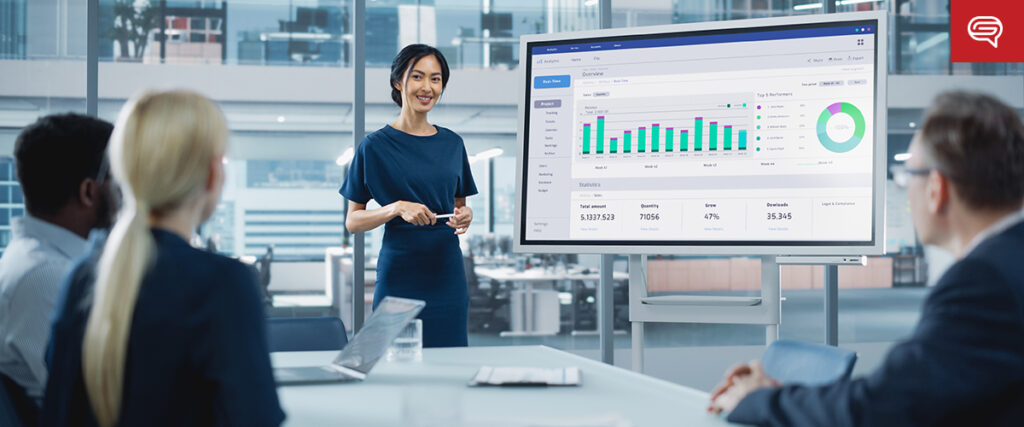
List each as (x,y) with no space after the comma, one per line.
(420,262)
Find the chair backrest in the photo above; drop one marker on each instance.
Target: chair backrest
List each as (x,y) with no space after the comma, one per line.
(472,281)
(306,333)
(12,402)
(793,362)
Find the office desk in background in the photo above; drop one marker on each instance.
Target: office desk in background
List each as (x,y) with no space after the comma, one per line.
(606,392)
(321,288)
(510,274)
(535,311)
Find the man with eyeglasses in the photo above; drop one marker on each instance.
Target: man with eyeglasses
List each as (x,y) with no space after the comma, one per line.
(964,362)
(61,166)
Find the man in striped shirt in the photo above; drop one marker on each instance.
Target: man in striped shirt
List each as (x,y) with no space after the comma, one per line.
(60,161)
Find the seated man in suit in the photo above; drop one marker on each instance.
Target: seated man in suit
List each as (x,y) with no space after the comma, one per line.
(964,363)
(67,192)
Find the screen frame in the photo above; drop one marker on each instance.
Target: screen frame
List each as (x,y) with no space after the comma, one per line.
(876,246)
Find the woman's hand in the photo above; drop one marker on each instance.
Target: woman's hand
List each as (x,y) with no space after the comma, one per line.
(414,213)
(460,222)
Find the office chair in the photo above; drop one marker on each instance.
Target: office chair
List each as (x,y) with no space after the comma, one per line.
(306,333)
(263,272)
(488,307)
(793,362)
(16,408)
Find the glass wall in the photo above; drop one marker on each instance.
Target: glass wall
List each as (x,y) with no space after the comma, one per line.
(288,124)
(42,61)
(12,202)
(249,32)
(470,33)
(281,71)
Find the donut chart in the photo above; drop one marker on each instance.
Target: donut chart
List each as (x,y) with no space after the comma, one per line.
(859,126)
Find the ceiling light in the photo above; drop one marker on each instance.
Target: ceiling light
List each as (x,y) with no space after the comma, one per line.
(807,6)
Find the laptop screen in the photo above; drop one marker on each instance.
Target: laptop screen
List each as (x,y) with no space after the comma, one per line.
(383,326)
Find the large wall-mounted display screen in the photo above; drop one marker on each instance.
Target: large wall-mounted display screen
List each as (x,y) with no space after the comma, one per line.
(760,138)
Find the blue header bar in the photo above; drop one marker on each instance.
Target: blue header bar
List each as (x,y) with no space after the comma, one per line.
(709,39)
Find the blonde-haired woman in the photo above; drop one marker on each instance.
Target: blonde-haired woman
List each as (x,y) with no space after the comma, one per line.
(151,331)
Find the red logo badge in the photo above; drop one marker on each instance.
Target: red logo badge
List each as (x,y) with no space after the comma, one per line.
(986,31)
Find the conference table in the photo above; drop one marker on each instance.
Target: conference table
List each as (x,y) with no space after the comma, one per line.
(433,392)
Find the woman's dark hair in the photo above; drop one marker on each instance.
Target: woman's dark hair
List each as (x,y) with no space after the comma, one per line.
(407,59)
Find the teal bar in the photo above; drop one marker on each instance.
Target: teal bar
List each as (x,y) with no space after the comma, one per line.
(698,133)
(627,139)
(712,137)
(586,138)
(743,139)
(600,134)
(654,138)
(641,139)
(727,137)
(684,140)
(668,139)
(614,144)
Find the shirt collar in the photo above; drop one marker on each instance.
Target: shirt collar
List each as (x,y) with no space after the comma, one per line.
(994,229)
(61,239)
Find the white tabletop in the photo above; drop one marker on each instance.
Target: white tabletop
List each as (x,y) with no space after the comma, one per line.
(608,396)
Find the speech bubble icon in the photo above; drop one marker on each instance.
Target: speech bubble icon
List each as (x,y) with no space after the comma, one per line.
(986,29)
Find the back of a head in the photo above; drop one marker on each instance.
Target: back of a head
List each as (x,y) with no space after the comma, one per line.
(978,142)
(54,155)
(161,152)
(163,145)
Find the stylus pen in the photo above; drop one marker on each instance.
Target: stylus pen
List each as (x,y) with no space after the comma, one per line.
(444,216)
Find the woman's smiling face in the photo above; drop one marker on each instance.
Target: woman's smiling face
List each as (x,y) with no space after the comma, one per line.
(423,84)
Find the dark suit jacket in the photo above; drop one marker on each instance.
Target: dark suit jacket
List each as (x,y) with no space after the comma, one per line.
(197,349)
(963,365)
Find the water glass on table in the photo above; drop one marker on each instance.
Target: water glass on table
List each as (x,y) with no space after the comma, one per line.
(408,346)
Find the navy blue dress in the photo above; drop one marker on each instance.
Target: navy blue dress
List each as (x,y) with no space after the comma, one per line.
(421,262)
(197,350)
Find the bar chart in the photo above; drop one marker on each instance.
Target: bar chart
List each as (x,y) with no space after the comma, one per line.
(665,139)
(640,126)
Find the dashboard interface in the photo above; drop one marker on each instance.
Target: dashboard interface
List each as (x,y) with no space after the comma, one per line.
(760,136)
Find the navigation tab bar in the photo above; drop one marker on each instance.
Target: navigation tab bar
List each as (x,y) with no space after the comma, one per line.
(657,41)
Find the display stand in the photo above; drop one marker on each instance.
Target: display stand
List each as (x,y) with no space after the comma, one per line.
(831,286)
(606,309)
(765,309)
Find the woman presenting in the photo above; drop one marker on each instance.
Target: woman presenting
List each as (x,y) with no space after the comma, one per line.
(416,171)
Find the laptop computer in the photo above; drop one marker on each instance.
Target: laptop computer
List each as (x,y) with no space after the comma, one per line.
(366,348)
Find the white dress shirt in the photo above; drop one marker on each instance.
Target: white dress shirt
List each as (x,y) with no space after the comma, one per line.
(32,271)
